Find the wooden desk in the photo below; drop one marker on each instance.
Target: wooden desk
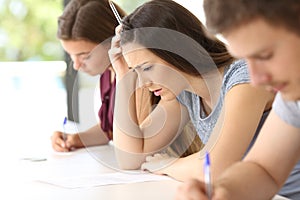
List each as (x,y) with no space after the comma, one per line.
(18,179)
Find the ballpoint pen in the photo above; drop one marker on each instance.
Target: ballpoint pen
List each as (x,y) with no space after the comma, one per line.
(207,177)
(64,133)
(113,8)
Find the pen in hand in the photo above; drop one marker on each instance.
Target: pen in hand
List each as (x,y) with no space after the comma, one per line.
(114,10)
(207,176)
(64,135)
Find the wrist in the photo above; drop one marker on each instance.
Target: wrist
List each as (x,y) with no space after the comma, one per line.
(77,141)
(221,192)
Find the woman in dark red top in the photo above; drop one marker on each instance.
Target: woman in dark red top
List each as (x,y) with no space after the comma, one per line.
(87,25)
(85,29)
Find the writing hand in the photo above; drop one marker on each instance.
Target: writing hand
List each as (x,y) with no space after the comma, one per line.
(191,190)
(59,144)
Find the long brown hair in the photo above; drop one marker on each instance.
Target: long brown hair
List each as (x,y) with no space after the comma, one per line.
(91,20)
(171,17)
(173,22)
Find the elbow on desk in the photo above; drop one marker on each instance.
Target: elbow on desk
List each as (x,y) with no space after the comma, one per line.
(129,165)
(129,161)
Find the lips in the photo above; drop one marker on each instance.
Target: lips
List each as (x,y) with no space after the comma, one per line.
(279,87)
(157,92)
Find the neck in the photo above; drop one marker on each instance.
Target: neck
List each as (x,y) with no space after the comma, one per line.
(207,86)
(112,73)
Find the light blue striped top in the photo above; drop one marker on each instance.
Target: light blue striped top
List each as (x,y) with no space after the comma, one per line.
(236,73)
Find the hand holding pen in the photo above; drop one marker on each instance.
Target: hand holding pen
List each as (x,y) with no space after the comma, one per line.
(192,189)
(207,176)
(195,189)
(64,128)
(61,138)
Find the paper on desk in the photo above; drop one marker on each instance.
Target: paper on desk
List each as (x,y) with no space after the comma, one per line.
(104,179)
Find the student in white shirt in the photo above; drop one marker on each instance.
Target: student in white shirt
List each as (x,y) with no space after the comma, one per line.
(267,34)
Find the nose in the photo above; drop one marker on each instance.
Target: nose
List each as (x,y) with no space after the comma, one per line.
(258,73)
(77,63)
(143,80)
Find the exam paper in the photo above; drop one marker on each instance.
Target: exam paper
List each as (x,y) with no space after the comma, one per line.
(104,179)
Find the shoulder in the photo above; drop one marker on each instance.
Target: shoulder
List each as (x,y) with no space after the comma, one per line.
(236,73)
(288,111)
(185,97)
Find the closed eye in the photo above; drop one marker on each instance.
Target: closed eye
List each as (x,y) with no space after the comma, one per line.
(131,69)
(87,57)
(147,68)
(268,57)
(264,57)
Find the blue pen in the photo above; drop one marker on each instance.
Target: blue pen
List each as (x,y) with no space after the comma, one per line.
(207,177)
(64,133)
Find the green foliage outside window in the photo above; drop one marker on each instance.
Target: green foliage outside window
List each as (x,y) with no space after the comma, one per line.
(28,28)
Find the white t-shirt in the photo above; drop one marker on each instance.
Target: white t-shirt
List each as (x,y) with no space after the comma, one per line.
(288,111)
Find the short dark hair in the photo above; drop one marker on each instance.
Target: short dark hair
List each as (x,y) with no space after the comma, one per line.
(225,15)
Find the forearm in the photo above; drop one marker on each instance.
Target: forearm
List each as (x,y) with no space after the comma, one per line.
(185,168)
(127,133)
(93,136)
(192,166)
(245,180)
(138,128)
(158,133)
(128,137)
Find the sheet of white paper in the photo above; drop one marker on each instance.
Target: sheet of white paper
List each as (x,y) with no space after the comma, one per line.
(103,179)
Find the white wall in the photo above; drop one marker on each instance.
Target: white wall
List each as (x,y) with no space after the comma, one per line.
(32,106)
(195,6)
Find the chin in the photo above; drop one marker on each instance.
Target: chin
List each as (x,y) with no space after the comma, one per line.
(291,96)
(167,97)
(91,73)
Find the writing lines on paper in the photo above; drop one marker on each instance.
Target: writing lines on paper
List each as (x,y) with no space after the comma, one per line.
(104,179)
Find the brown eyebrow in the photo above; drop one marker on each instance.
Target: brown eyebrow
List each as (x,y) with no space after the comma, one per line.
(140,65)
(257,53)
(81,53)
